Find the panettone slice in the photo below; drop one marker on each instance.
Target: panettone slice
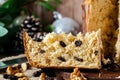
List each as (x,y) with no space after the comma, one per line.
(65,50)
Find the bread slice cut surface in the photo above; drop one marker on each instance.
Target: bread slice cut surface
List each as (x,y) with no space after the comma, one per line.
(65,50)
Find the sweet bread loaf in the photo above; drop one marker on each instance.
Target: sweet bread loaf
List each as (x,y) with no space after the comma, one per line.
(117,46)
(102,14)
(65,50)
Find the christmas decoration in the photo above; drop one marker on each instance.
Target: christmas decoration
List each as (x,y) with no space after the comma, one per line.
(12,12)
(65,24)
(33,27)
(2,1)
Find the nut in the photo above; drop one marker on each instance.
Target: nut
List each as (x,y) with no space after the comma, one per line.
(77,75)
(12,70)
(24,66)
(42,76)
(9,70)
(19,74)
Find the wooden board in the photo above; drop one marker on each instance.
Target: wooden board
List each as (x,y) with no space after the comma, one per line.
(65,74)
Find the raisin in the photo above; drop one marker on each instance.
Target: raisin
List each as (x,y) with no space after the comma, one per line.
(42,51)
(96,52)
(78,43)
(78,59)
(49,72)
(62,44)
(61,58)
(13,78)
(37,73)
(19,66)
(6,76)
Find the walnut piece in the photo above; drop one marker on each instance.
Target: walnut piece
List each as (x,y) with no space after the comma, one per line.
(24,66)
(76,75)
(12,70)
(20,74)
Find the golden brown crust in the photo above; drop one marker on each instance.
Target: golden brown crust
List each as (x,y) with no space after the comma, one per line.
(25,39)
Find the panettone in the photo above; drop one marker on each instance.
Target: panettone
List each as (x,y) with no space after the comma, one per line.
(65,50)
(117,46)
(102,14)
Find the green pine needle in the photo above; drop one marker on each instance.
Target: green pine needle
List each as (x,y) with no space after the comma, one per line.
(47,6)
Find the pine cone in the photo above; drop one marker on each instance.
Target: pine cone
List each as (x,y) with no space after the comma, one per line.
(39,36)
(31,24)
(34,29)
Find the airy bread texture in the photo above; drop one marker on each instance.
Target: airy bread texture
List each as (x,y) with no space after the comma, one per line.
(117,56)
(65,50)
(102,14)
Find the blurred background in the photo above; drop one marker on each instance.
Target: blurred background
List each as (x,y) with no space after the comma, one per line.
(37,17)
